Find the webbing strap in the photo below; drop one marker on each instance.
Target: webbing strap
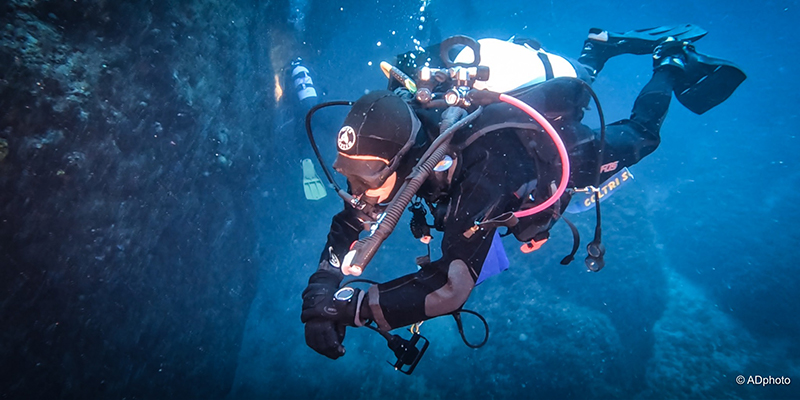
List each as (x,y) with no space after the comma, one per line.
(548,68)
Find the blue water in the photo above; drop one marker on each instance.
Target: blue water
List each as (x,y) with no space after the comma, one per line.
(700,284)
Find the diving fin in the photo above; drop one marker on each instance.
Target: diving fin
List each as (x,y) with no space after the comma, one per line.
(705,82)
(312,185)
(601,45)
(644,41)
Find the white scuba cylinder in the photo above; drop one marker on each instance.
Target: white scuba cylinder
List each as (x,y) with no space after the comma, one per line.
(512,66)
(303,84)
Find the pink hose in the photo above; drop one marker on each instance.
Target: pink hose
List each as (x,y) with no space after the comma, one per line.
(562,152)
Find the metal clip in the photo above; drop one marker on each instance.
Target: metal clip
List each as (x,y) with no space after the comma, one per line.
(587,189)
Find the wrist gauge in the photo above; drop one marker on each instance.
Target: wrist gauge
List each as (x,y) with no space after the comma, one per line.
(344,294)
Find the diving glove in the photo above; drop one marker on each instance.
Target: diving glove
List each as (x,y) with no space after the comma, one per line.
(328,311)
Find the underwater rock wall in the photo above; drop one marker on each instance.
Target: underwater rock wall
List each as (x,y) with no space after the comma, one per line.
(698,349)
(131,135)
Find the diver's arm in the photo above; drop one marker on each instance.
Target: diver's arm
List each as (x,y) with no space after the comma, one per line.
(345,228)
(325,317)
(444,285)
(438,288)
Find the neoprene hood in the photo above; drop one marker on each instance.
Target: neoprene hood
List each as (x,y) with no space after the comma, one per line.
(376,134)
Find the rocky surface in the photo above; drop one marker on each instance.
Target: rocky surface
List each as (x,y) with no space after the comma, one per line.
(131,135)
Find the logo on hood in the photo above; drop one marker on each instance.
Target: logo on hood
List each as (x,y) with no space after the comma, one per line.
(347,138)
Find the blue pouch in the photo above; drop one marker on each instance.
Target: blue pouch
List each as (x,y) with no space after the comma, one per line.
(496,260)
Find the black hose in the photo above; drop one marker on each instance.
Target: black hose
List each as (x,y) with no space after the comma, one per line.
(314,143)
(597,243)
(457,316)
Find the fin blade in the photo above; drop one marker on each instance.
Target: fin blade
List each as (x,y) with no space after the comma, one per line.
(643,41)
(314,190)
(712,89)
(685,32)
(313,187)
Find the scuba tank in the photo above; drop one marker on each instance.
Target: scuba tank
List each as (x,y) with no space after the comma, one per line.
(303,84)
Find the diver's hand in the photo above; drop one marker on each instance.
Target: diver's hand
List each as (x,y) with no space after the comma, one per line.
(325,337)
(324,333)
(319,302)
(325,317)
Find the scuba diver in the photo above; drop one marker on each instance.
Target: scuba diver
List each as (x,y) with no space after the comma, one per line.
(297,79)
(488,137)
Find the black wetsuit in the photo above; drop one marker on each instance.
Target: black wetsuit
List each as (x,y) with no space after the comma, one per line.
(490,170)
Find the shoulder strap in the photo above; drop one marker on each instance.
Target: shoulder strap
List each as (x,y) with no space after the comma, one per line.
(548,68)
